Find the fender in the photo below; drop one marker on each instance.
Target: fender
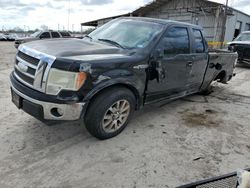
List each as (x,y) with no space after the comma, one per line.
(120,77)
(224,80)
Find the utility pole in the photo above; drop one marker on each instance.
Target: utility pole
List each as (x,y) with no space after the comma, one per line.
(224,22)
(68,15)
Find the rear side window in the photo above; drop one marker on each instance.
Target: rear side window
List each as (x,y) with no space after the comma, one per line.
(55,35)
(199,42)
(176,41)
(65,34)
(45,35)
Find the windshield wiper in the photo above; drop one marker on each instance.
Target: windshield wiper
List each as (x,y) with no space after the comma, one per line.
(87,36)
(111,42)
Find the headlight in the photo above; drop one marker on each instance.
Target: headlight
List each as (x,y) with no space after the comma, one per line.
(63,80)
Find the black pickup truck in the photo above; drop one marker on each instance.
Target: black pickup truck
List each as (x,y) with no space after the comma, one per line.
(117,69)
(241,45)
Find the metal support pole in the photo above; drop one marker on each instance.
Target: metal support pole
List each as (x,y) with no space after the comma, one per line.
(224,22)
(68,15)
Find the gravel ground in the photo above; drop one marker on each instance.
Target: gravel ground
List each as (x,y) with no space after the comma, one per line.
(187,140)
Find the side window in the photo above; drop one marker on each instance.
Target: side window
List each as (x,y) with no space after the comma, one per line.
(176,41)
(199,46)
(65,34)
(45,35)
(55,35)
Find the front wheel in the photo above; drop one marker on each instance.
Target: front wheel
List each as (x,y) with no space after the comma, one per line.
(110,112)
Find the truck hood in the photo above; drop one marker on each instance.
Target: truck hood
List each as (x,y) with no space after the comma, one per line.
(69,48)
(25,38)
(239,42)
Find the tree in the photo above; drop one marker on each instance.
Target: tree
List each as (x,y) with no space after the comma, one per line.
(87,31)
(44,27)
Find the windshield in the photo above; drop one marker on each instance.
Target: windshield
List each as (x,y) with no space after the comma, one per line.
(35,34)
(243,37)
(127,33)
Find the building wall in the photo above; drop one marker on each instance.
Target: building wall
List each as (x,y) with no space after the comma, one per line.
(232,24)
(187,11)
(209,15)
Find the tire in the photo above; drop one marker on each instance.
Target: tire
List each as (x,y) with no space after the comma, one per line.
(103,120)
(207,91)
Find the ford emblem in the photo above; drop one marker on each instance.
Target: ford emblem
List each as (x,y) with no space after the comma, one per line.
(22,67)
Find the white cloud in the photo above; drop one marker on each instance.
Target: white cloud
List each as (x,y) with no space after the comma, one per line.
(54,12)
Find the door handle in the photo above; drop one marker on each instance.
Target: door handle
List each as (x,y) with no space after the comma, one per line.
(190,64)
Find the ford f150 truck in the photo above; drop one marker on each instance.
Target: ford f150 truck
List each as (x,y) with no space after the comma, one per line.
(117,69)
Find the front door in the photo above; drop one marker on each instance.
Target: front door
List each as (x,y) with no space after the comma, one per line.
(173,65)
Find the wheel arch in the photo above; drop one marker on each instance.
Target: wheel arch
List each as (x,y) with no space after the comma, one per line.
(221,76)
(130,87)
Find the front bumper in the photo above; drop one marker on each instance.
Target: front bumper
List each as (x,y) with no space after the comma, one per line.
(47,110)
(247,61)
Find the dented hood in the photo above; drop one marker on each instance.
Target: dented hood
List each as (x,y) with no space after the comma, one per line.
(71,48)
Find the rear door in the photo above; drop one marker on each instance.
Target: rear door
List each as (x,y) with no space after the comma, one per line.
(200,61)
(45,35)
(55,35)
(174,63)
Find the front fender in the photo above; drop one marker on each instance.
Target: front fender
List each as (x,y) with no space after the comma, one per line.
(139,90)
(135,80)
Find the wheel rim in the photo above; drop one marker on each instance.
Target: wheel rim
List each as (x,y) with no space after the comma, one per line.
(116,116)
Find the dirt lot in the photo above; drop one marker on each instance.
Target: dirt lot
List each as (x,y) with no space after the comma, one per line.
(187,140)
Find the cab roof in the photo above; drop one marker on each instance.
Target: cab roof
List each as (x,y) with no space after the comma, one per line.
(161,21)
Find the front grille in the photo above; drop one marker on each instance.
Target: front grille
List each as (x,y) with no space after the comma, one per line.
(30,70)
(24,77)
(27,58)
(243,51)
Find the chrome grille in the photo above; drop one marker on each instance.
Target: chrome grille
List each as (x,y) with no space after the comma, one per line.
(28,58)
(30,70)
(25,76)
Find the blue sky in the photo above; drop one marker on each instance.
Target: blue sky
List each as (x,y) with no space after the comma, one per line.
(30,14)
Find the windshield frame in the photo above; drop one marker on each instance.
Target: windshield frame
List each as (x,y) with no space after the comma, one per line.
(148,46)
(36,34)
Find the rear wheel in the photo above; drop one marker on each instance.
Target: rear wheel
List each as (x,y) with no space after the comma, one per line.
(208,90)
(110,112)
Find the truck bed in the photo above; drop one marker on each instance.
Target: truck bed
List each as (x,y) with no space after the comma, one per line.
(226,59)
